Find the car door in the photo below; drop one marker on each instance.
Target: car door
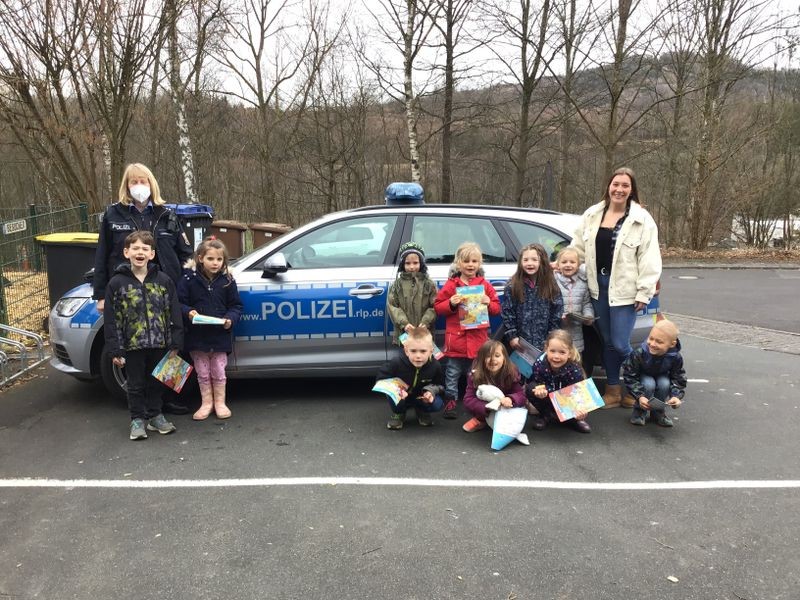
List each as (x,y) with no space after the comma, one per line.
(327,311)
(440,235)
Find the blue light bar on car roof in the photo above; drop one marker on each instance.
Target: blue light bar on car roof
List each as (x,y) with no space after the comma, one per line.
(402,192)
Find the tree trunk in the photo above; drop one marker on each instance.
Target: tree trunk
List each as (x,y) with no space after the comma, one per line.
(408,89)
(178,92)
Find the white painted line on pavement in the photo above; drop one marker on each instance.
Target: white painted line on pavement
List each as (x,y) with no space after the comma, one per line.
(397,481)
(697,380)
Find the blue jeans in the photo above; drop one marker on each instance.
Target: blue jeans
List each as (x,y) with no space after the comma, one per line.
(616,325)
(455,369)
(654,386)
(418,405)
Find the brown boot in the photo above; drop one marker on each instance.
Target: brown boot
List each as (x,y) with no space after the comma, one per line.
(223,412)
(207,402)
(628,401)
(613,396)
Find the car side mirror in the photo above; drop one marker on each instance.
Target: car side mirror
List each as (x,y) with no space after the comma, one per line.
(273,265)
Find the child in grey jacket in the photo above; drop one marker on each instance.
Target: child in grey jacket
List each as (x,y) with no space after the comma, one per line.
(571,279)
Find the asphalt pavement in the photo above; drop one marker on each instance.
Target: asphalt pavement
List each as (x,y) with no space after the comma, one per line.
(762,297)
(305,494)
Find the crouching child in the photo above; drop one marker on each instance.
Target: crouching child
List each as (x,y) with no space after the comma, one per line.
(422,373)
(653,374)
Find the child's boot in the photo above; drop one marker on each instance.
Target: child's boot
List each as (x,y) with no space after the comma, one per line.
(206,402)
(628,401)
(613,396)
(223,412)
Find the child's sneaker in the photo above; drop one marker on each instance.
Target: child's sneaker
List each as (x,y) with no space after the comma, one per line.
(450,410)
(638,419)
(424,419)
(473,425)
(639,416)
(663,420)
(396,421)
(160,424)
(137,430)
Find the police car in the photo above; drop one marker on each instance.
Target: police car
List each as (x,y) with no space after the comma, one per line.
(315,298)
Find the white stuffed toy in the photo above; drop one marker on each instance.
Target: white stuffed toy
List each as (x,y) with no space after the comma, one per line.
(507,423)
(491,394)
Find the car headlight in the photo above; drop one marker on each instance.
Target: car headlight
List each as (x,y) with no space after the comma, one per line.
(66,307)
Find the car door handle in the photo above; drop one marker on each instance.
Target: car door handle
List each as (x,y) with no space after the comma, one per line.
(366,290)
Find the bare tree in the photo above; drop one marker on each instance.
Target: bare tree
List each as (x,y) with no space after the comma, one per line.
(523,26)
(71,75)
(573,23)
(454,17)
(734,37)
(188,43)
(405,26)
(272,52)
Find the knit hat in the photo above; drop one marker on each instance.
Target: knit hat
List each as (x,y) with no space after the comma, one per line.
(411,248)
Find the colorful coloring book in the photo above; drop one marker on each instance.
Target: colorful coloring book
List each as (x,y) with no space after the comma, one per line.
(472,313)
(437,353)
(172,371)
(524,357)
(391,387)
(581,396)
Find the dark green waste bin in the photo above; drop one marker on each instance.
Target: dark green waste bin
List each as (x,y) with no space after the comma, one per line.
(69,256)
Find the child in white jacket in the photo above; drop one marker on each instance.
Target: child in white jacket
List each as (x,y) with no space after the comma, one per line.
(571,279)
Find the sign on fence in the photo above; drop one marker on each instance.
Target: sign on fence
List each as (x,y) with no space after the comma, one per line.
(15,226)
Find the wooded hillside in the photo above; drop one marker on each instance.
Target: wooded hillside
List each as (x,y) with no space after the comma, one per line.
(282,111)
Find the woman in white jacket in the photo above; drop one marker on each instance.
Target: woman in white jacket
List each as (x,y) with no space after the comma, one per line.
(618,241)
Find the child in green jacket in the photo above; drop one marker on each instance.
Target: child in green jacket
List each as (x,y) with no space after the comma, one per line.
(411,296)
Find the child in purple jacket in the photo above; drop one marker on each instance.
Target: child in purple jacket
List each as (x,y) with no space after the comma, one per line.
(493,367)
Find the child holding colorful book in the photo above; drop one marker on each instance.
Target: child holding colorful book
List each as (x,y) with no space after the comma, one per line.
(208,290)
(421,377)
(558,367)
(142,321)
(464,332)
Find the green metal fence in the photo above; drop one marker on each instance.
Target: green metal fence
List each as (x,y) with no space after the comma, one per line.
(24,300)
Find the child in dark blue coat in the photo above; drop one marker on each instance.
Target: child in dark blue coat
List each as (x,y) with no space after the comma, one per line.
(208,290)
(654,375)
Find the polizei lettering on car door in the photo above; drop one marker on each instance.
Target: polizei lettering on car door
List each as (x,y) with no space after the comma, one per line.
(315,309)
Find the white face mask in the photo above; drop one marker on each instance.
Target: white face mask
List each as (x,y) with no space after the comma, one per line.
(140,193)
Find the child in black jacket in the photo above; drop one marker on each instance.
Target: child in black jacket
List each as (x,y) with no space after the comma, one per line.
(142,320)
(654,375)
(422,373)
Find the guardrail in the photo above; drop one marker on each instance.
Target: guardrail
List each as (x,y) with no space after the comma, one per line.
(22,356)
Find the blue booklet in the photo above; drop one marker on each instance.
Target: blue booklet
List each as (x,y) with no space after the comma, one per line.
(524,357)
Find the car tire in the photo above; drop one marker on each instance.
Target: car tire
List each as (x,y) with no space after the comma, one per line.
(114,378)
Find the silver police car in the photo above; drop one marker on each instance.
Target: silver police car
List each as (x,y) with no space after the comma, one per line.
(315,298)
